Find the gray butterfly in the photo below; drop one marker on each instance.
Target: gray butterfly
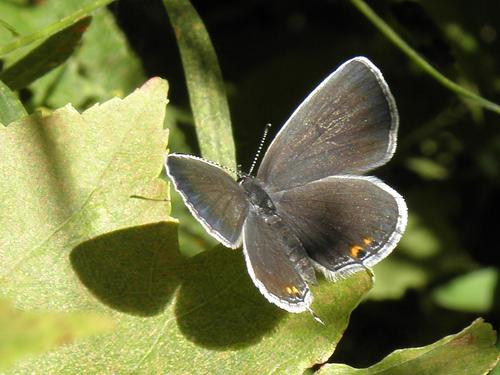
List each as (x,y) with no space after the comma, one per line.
(308,207)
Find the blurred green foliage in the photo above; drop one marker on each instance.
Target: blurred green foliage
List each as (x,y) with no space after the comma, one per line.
(447,166)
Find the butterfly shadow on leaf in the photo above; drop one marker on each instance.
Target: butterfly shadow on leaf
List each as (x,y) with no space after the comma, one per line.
(134,270)
(218,306)
(137,271)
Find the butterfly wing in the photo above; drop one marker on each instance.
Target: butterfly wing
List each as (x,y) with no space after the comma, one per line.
(347,125)
(345,223)
(277,274)
(214,198)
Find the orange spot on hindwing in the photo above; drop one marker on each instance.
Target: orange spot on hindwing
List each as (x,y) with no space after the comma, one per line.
(356,251)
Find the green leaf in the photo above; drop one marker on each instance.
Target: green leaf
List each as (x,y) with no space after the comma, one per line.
(471,351)
(8,27)
(32,332)
(86,77)
(196,316)
(75,175)
(205,85)
(427,168)
(405,268)
(11,108)
(420,240)
(42,33)
(51,53)
(472,292)
(394,276)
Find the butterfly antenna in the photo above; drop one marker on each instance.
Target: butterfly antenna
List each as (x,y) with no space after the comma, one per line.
(316,318)
(259,150)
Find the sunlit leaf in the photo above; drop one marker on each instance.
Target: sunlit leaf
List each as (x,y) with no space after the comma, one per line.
(471,351)
(11,108)
(103,66)
(33,332)
(211,318)
(82,10)
(73,244)
(51,53)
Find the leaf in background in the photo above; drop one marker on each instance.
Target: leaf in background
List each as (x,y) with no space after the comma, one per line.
(472,292)
(50,54)
(420,240)
(406,267)
(395,276)
(205,85)
(31,332)
(83,9)
(427,168)
(101,68)
(471,351)
(11,108)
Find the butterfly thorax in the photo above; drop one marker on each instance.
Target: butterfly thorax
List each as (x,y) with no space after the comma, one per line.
(262,204)
(257,196)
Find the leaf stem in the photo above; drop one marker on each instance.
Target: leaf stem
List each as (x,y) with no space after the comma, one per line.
(53,28)
(9,27)
(385,29)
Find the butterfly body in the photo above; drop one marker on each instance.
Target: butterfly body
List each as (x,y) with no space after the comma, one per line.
(309,207)
(259,199)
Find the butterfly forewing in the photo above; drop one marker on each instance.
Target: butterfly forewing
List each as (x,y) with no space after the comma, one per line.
(345,223)
(212,196)
(347,125)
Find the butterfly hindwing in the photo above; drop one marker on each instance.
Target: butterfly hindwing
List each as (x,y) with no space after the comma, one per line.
(277,273)
(345,223)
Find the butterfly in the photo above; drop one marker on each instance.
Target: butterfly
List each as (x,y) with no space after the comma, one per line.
(310,207)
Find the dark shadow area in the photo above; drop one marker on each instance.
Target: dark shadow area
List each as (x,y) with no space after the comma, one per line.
(219,307)
(135,270)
